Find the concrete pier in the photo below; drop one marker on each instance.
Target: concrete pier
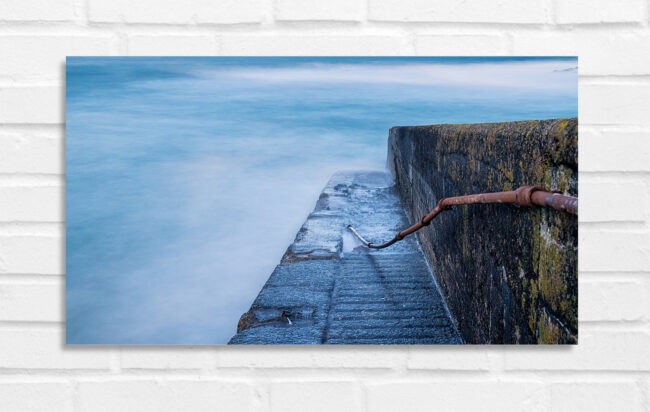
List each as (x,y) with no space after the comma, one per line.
(329,289)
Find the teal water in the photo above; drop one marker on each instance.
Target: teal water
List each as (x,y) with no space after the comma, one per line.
(187,178)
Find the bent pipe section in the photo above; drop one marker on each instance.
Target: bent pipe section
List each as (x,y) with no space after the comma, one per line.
(525,196)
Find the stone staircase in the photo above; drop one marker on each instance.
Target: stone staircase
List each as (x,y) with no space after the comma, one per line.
(329,289)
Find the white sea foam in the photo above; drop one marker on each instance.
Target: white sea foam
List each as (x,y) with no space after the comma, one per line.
(525,75)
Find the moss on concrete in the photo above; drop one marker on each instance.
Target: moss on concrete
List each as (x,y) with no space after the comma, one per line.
(510,274)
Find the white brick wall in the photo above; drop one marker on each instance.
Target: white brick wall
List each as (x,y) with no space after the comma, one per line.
(609,370)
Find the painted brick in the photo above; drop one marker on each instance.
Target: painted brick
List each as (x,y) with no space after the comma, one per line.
(600,51)
(599,11)
(450,358)
(40,373)
(454,395)
(46,349)
(252,44)
(616,205)
(460,45)
(345,10)
(613,251)
(165,395)
(39,57)
(473,11)
(611,301)
(595,396)
(31,152)
(279,357)
(166,358)
(36,396)
(32,104)
(170,45)
(598,349)
(37,10)
(26,204)
(32,302)
(169,11)
(614,103)
(315,396)
(32,254)
(618,151)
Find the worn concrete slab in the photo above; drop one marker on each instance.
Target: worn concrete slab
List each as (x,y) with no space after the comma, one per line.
(330,289)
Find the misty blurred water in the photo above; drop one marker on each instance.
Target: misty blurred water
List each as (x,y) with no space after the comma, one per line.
(187,178)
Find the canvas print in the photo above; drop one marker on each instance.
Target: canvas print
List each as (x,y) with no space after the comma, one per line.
(321,200)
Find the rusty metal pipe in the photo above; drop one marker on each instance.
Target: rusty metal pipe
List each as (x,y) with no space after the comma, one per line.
(525,196)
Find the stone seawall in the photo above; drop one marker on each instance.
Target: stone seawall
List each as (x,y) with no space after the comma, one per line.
(328,289)
(509,274)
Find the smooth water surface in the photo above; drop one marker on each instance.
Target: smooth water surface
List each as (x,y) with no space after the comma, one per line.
(187,178)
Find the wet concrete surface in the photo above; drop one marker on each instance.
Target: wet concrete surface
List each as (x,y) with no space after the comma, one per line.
(330,289)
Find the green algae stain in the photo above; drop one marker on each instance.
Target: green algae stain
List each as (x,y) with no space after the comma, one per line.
(532,245)
(563,179)
(550,283)
(532,309)
(547,331)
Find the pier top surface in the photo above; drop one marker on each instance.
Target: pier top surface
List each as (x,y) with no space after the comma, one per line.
(330,289)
